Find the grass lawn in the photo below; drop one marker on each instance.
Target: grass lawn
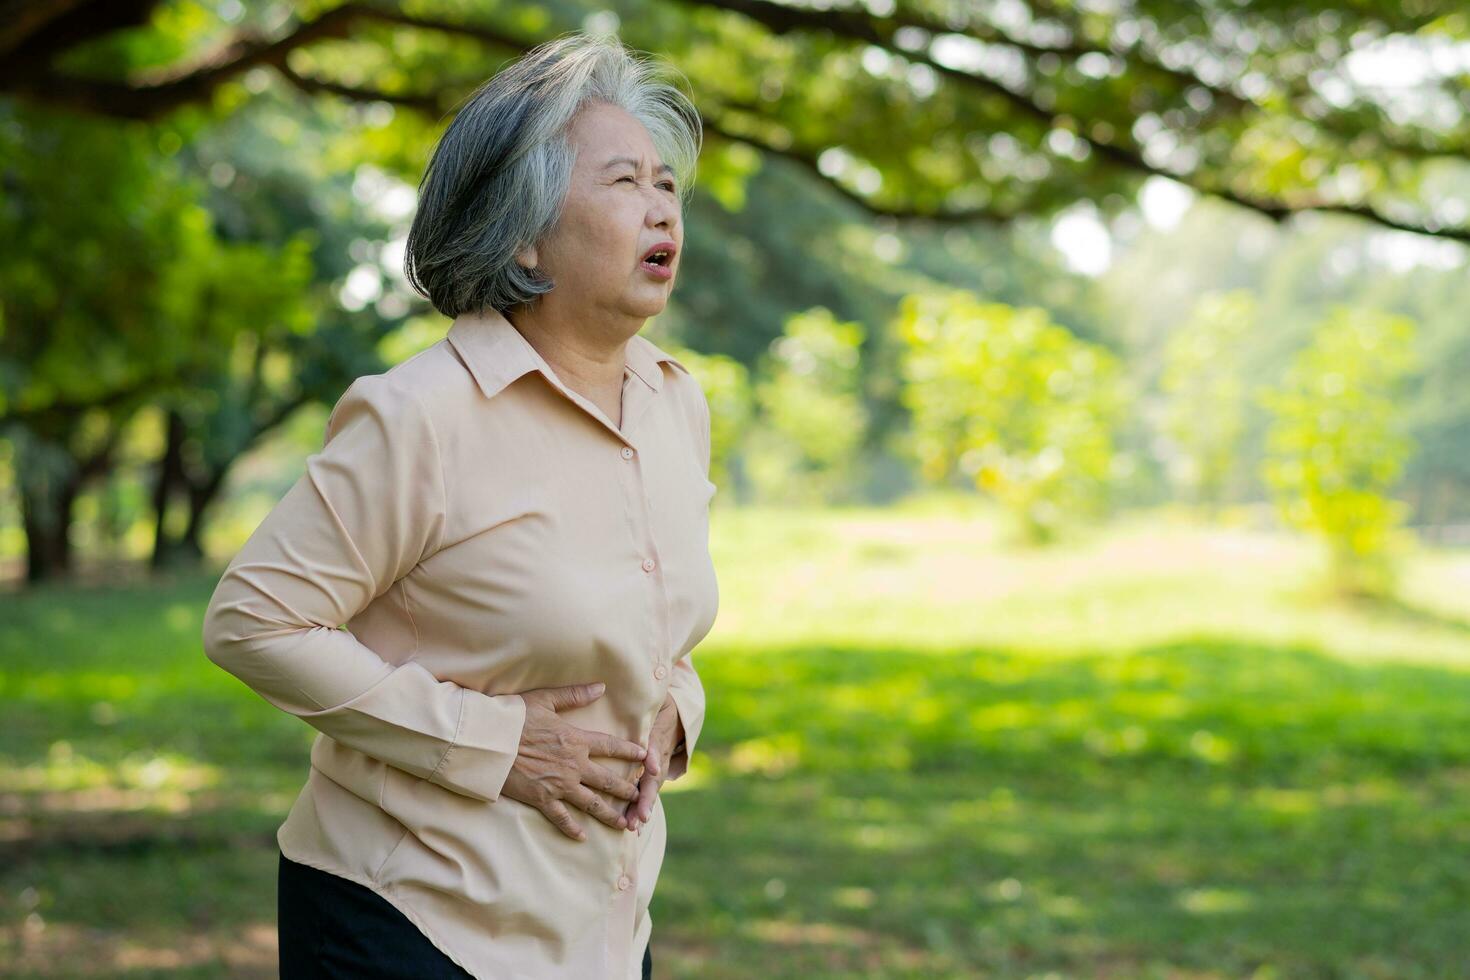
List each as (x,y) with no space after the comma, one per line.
(1152,753)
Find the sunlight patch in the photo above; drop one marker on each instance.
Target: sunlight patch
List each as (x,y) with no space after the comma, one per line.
(1214,901)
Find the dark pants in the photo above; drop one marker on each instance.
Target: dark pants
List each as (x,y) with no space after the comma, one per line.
(332,927)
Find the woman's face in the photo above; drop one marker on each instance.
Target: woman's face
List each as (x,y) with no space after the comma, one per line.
(619,205)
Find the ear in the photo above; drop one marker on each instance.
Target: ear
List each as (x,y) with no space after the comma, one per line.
(527,257)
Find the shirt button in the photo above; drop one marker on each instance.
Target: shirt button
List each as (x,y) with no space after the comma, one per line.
(627,453)
(648,564)
(659,671)
(623,882)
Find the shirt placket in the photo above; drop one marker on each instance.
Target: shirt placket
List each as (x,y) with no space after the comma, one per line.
(637,397)
(632,479)
(640,519)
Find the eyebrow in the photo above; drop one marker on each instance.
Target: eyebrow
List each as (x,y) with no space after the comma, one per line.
(663,168)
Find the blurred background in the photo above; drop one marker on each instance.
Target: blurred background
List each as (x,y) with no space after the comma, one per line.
(1091,422)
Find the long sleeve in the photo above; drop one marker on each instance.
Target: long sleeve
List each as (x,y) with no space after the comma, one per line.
(685,686)
(371,505)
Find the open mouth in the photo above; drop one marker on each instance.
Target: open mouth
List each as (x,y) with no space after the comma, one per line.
(658,264)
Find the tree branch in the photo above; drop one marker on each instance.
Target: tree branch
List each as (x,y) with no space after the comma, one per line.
(858,26)
(151,97)
(430,105)
(33,33)
(162,92)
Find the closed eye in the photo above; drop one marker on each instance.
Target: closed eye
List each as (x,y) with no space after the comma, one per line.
(669,184)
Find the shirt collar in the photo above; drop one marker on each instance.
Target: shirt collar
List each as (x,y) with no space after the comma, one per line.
(497,353)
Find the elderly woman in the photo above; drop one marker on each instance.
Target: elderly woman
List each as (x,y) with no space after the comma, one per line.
(513,524)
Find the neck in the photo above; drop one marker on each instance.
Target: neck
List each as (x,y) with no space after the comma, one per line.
(587,354)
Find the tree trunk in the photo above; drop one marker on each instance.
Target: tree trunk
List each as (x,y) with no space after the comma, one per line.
(50,476)
(170,475)
(201,496)
(46,507)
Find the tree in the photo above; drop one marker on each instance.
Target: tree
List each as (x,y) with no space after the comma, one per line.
(1204,381)
(726,384)
(1013,403)
(810,420)
(1338,442)
(250,294)
(98,304)
(303,224)
(987,113)
(990,115)
(120,298)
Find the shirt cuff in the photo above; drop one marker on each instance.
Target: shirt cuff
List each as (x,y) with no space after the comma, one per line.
(691,713)
(485,747)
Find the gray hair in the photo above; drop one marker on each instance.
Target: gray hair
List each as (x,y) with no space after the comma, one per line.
(500,173)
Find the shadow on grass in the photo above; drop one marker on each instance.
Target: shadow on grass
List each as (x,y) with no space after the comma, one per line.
(1203,805)
(1411,615)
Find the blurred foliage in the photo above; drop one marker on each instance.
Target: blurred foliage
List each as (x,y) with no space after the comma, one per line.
(1014,402)
(108,260)
(825,130)
(1205,386)
(909,109)
(117,294)
(726,384)
(810,421)
(1337,445)
(1296,273)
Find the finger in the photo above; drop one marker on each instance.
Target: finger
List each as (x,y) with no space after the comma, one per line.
(643,807)
(601,743)
(585,799)
(562,818)
(574,695)
(608,781)
(647,789)
(631,812)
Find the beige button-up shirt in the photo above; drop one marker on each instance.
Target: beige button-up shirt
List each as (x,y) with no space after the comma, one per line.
(482,529)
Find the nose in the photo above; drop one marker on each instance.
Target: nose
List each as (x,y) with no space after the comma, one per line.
(665,213)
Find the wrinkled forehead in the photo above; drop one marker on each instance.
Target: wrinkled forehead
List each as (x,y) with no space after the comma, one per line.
(605,134)
(637,163)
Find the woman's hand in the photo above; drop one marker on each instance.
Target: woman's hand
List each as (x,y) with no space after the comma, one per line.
(666,735)
(552,766)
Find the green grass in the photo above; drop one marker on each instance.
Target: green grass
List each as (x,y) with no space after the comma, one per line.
(1152,753)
